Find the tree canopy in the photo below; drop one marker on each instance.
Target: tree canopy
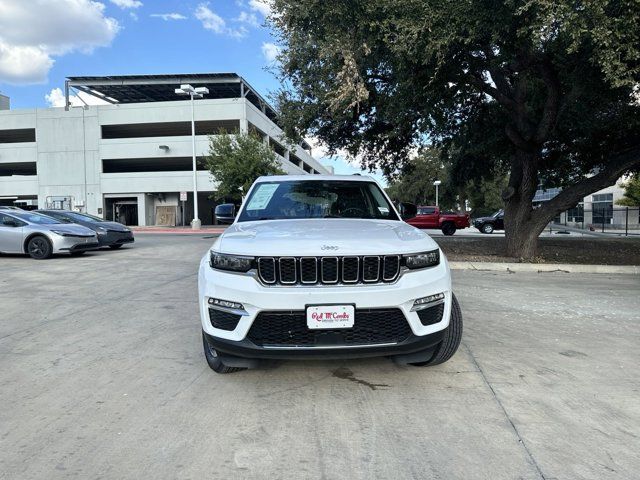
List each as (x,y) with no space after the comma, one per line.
(545,91)
(631,196)
(414,183)
(237,160)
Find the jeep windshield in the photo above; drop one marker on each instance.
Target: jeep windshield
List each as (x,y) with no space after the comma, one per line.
(297,199)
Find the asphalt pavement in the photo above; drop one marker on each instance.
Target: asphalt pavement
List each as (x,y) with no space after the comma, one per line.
(102,376)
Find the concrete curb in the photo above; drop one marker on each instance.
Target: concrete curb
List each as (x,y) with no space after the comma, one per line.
(177,231)
(544,267)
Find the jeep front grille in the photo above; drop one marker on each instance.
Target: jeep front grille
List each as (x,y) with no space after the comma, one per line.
(328,270)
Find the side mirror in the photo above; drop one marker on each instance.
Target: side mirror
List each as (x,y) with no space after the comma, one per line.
(225,213)
(407,210)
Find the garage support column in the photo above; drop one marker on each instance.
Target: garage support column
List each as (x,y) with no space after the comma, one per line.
(142,209)
(244,123)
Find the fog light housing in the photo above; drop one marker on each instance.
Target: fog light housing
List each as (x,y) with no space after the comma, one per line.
(428,301)
(225,304)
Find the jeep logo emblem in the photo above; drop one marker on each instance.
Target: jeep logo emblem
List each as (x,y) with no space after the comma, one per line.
(329,247)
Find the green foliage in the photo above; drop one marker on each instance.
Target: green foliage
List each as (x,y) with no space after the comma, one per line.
(236,161)
(414,183)
(494,85)
(631,192)
(484,196)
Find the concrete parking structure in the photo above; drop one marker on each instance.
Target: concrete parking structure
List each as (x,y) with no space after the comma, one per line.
(129,158)
(103,377)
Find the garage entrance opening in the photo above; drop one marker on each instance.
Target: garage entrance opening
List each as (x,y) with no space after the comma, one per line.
(26,202)
(123,210)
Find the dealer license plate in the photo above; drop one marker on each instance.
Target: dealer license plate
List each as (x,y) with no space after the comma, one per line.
(330,316)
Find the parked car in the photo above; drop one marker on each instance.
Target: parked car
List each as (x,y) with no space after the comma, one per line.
(41,236)
(431,217)
(110,234)
(489,224)
(225,213)
(324,267)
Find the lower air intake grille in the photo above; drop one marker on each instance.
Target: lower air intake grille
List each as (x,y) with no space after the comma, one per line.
(289,328)
(431,315)
(223,320)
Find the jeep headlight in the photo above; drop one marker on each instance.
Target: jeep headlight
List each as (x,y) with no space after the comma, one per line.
(422,260)
(232,263)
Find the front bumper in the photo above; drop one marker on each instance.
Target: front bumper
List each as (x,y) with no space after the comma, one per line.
(115,238)
(246,349)
(257,298)
(73,244)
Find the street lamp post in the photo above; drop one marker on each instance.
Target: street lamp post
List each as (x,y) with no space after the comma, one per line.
(436,183)
(193,93)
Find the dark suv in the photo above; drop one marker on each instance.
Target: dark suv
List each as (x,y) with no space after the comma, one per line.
(489,224)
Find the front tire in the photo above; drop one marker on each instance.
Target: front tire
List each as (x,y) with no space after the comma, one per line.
(39,248)
(487,228)
(451,339)
(448,229)
(214,361)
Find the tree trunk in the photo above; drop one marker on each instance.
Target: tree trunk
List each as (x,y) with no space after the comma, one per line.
(523,223)
(522,228)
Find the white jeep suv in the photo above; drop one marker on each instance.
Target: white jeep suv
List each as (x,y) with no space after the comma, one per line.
(324,267)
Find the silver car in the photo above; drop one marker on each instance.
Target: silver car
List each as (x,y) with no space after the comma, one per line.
(41,236)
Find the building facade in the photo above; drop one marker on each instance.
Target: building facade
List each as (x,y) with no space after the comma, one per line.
(131,159)
(598,211)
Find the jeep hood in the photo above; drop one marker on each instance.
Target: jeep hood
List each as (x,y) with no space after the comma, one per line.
(316,237)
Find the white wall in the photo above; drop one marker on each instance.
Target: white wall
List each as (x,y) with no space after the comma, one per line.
(260,120)
(156,182)
(18,152)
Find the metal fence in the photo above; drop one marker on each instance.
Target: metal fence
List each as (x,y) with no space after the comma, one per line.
(620,220)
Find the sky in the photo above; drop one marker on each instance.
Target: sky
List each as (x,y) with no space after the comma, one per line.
(44,41)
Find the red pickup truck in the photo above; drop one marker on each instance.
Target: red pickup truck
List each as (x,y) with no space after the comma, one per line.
(431,217)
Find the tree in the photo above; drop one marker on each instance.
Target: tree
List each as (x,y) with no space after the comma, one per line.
(484,195)
(237,160)
(631,196)
(414,183)
(543,90)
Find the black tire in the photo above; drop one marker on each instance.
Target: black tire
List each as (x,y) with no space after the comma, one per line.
(116,246)
(487,228)
(214,361)
(451,340)
(39,247)
(448,228)
(78,253)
